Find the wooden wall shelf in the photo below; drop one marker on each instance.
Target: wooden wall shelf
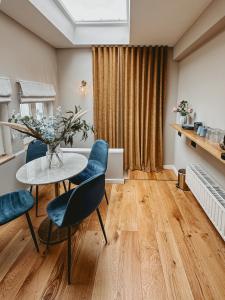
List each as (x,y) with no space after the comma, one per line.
(212,148)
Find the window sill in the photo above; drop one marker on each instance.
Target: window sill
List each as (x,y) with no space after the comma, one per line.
(5,158)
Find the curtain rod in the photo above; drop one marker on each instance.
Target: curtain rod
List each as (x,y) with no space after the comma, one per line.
(129,46)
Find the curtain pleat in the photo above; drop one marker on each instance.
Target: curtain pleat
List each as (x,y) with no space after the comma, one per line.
(129,92)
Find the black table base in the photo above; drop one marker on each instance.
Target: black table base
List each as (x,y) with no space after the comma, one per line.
(58,235)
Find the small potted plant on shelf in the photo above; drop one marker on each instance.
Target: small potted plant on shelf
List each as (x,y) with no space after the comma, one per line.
(52,130)
(222,144)
(184,110)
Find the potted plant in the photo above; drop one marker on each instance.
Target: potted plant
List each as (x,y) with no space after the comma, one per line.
(52,130)
(184,110)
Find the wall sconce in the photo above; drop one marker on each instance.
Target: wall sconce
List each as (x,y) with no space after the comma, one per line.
(83,88)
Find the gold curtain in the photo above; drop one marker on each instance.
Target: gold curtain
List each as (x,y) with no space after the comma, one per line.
(129,92)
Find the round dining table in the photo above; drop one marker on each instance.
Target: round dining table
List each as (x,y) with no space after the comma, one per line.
(37,172)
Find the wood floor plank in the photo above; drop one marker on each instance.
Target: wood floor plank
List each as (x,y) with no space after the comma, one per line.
(129,276)
(166,175)
(106,279)
(94,222)
(128,211)
(119,275)
(158,210)
(161,175)
(161,246)
(9,230)
(213,269)
(140,175)
(84,268)
(57,282)
(176,280)
(182,232)
(153,282)
(39,275)
(11,252)
(112,224)
(18,273)
(198,222)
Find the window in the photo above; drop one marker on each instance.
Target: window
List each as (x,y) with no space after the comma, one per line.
(96,11)
(38,110)
(25,109)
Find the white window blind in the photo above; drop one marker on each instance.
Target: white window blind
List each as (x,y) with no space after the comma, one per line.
(31,91)
(2,150)
(5,96)
(5,89)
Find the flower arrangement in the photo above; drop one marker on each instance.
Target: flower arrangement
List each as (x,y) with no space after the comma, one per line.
(52,130)
(183,108)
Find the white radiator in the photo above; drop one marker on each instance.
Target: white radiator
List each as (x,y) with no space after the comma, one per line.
(209,195)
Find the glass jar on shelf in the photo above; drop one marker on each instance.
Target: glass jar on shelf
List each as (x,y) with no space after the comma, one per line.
(208,133)
(221,134)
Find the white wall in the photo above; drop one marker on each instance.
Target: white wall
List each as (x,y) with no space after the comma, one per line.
(75,65)
(42,17)
(209,23)
(161,22)
(169,117)
(202,82)
(107,34)
(22,56)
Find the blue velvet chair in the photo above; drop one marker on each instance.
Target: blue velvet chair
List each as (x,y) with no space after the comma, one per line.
(97,163)
(36,149)
(74,206)
(13,205)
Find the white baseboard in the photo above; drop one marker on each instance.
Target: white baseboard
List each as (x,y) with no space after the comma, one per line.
(115,180)
(171,167)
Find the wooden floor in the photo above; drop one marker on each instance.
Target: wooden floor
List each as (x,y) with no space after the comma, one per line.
(162,246)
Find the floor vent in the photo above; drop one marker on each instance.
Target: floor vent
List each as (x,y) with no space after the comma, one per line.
(209,194)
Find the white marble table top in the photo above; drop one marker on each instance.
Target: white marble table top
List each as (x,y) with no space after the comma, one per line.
(37,172)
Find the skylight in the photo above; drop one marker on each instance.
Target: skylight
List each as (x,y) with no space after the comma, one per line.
(96,11)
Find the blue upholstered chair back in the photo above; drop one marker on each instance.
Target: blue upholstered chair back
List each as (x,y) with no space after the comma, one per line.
(99,152)
(36,149)
(84,200)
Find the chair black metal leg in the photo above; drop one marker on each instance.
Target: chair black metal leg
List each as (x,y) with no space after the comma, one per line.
(64,185)
(31,189)
(69,186)
(49,235)
(102,226)
(36,201)
(106,198)
(69,255)
(32,231)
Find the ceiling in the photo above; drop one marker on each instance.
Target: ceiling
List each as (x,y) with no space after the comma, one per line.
(163,22)
(152,22)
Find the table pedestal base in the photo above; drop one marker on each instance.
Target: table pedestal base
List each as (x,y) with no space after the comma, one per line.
(58,234)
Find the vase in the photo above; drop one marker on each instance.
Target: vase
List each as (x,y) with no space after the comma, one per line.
(183,120)
(54,156)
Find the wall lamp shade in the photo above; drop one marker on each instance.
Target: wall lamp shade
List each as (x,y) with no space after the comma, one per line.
(83,88)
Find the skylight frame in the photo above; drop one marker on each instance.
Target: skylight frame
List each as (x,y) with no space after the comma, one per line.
(95,22)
